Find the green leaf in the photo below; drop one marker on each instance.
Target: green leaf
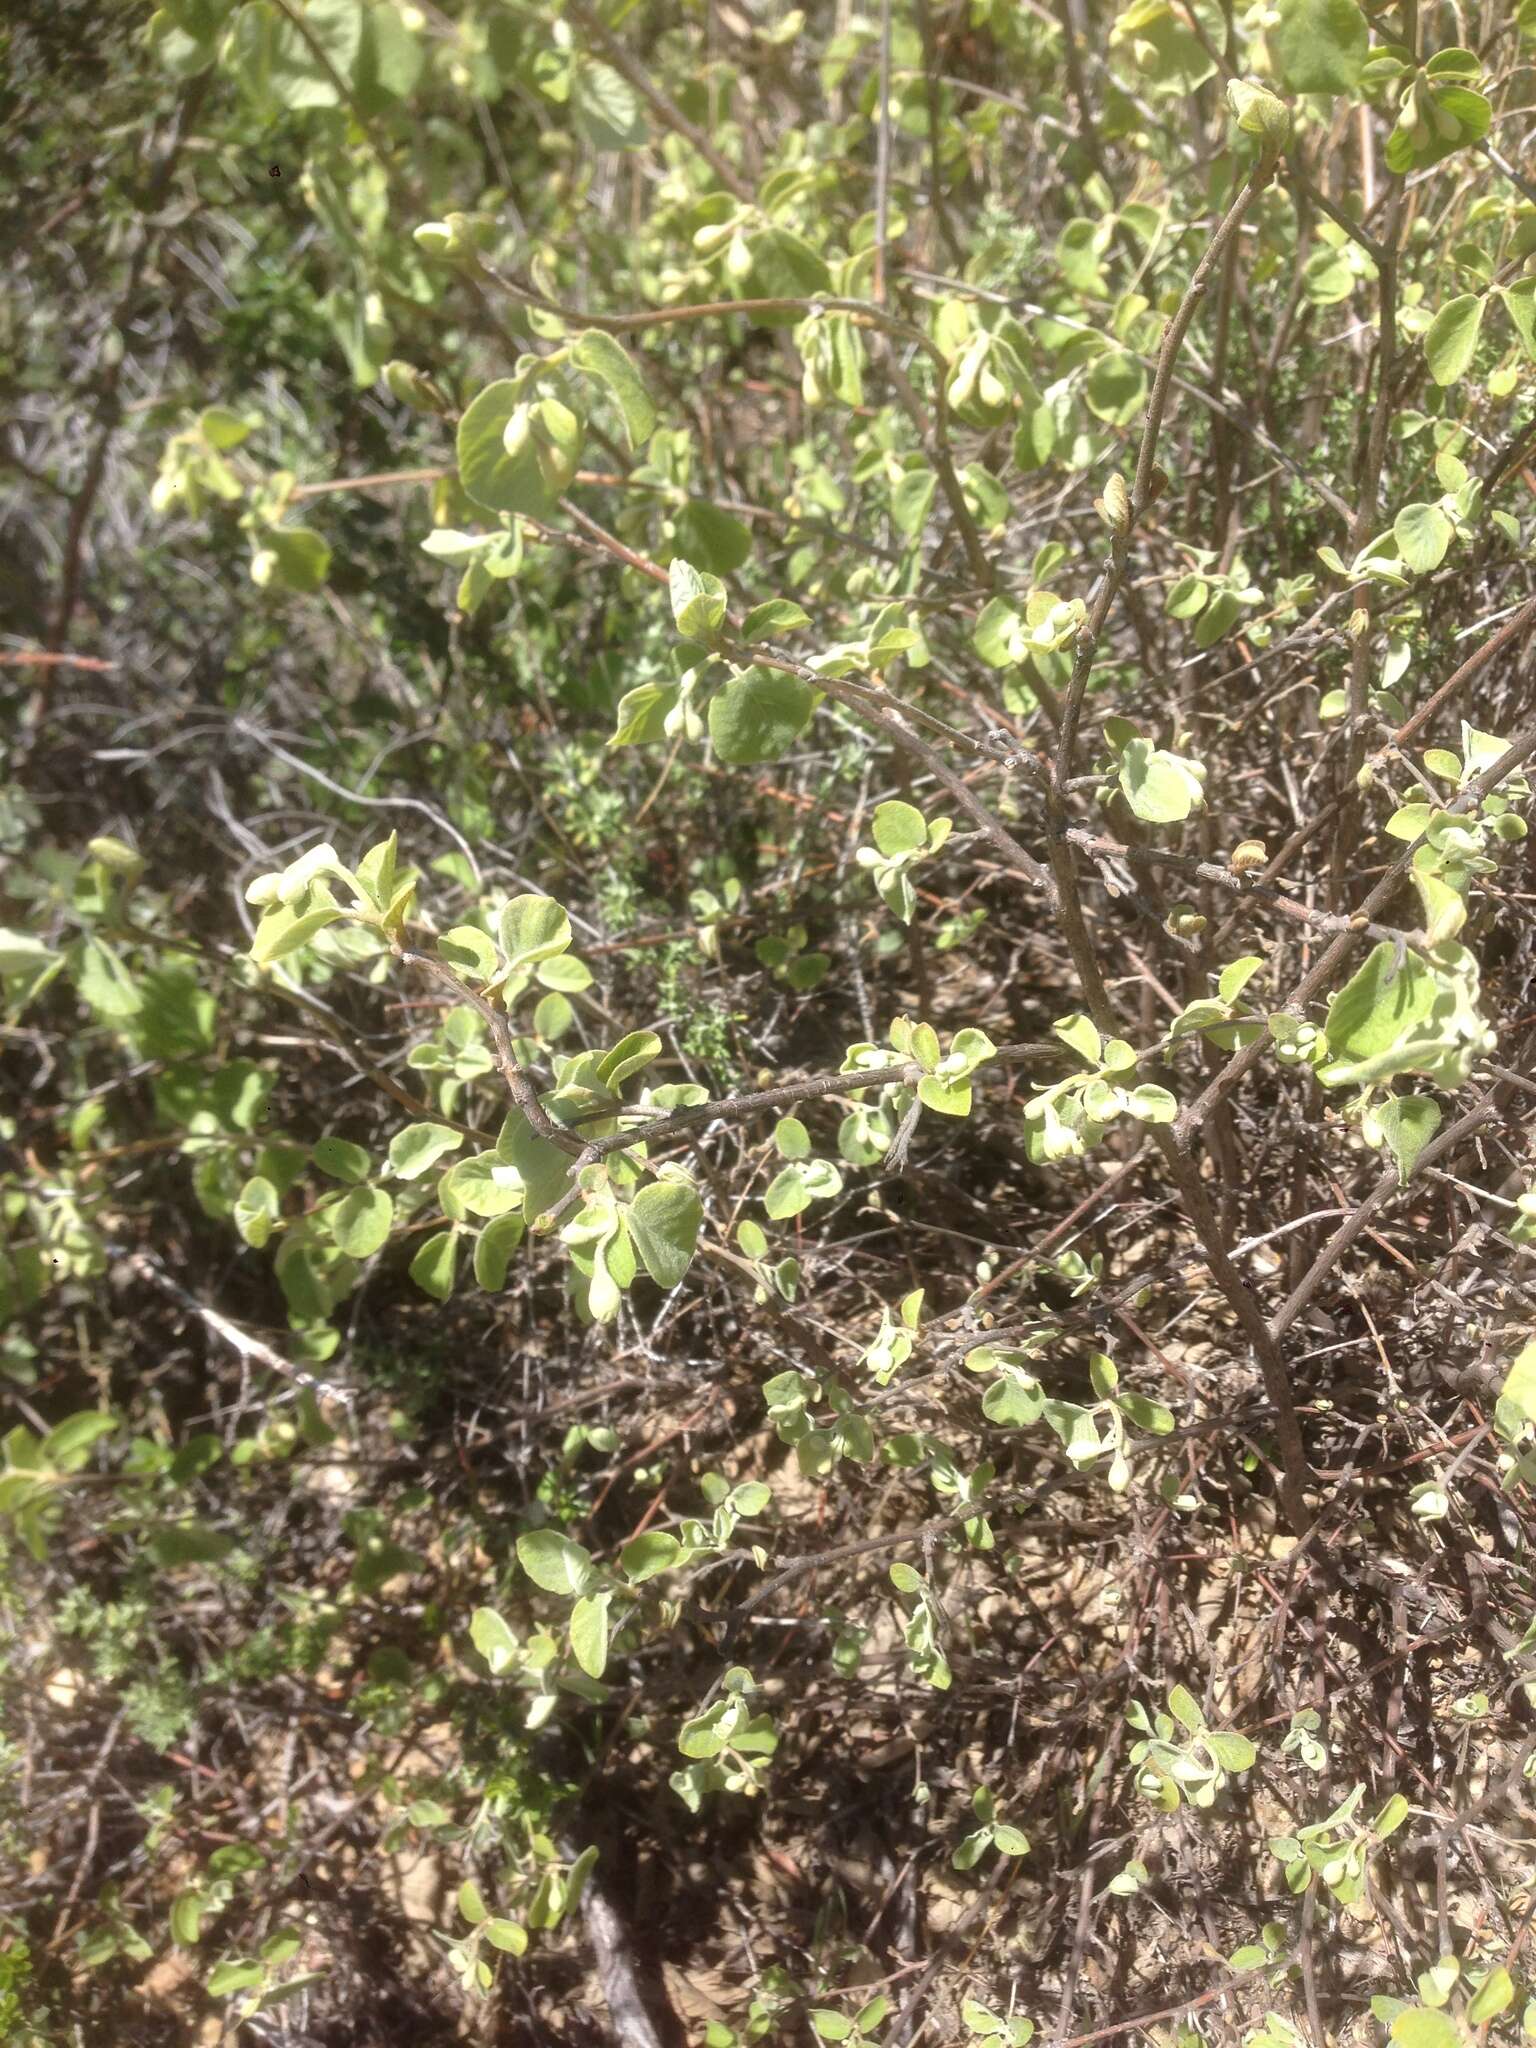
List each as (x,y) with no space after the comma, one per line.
(553,1561)
(1407,1123)
(278,62)
(1000,635)
(469,951)
(711,539)
(389,63)
(632,1055)
(341,1159)
(224,429)
(1520,304)
(602,357)
(1423,533)
(1519,1387)
(418,1147)
(912,499)
(104,982)
(641,715)
(589,1632)
(543,1168)
(1116,388)
(493,1248)
(1185,1708)
(971,1850)
(1232,1751)
(1494,1995)
(606,108)
(704,1736)
(899,828)
(433,1266)
(1391,1817)
(1010,1841)
(1152,1105)
(256,1210)
(291,558)
(1414,1015)
(67,1445)
(187,1919)
(1319,45)
(179,1543)
(698,600)
(829,2025)
(767,621)
(282,932)
(533,928)
(500,480)
(20,953)
(664,1220)
(787,267)
(234,1975)
(483,1185)
(361,1220)
(1420,2026)
(507,1935)
(1081,1034)
(448,545)
(647,1554)
(1010,1403)
(801,1183)
(493,1639)
(471,1905)
(759,715)
(1157,785)
(1451,340)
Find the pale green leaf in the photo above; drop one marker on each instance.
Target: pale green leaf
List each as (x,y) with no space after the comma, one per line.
(1319,45)
(603,357)
(664,1220)
(1451,340)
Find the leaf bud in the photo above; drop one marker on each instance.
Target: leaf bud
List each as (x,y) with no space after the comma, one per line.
(1260,113)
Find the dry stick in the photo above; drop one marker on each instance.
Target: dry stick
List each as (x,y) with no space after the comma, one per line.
(1146,461)
(1390,1183)
(865,313)
(616,1972)
(1502,163)
(883,157)
(1228,411)
(733,1108)
(738,1108)
(887,713)
(109,405)
(149,1268)
(1295,1470)
(1514,628)
(664,109)
(1097,844)
(1367,496)
(1193,1115)
(936,197)
(519,1085)
(843,1553)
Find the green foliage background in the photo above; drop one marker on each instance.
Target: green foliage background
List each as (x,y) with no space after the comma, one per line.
(766,993)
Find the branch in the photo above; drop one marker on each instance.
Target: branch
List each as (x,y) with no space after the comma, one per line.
(671,115)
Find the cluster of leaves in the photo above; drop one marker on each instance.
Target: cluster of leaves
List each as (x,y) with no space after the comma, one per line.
(805,502)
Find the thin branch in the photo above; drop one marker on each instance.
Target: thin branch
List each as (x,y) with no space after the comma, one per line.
(666,110)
